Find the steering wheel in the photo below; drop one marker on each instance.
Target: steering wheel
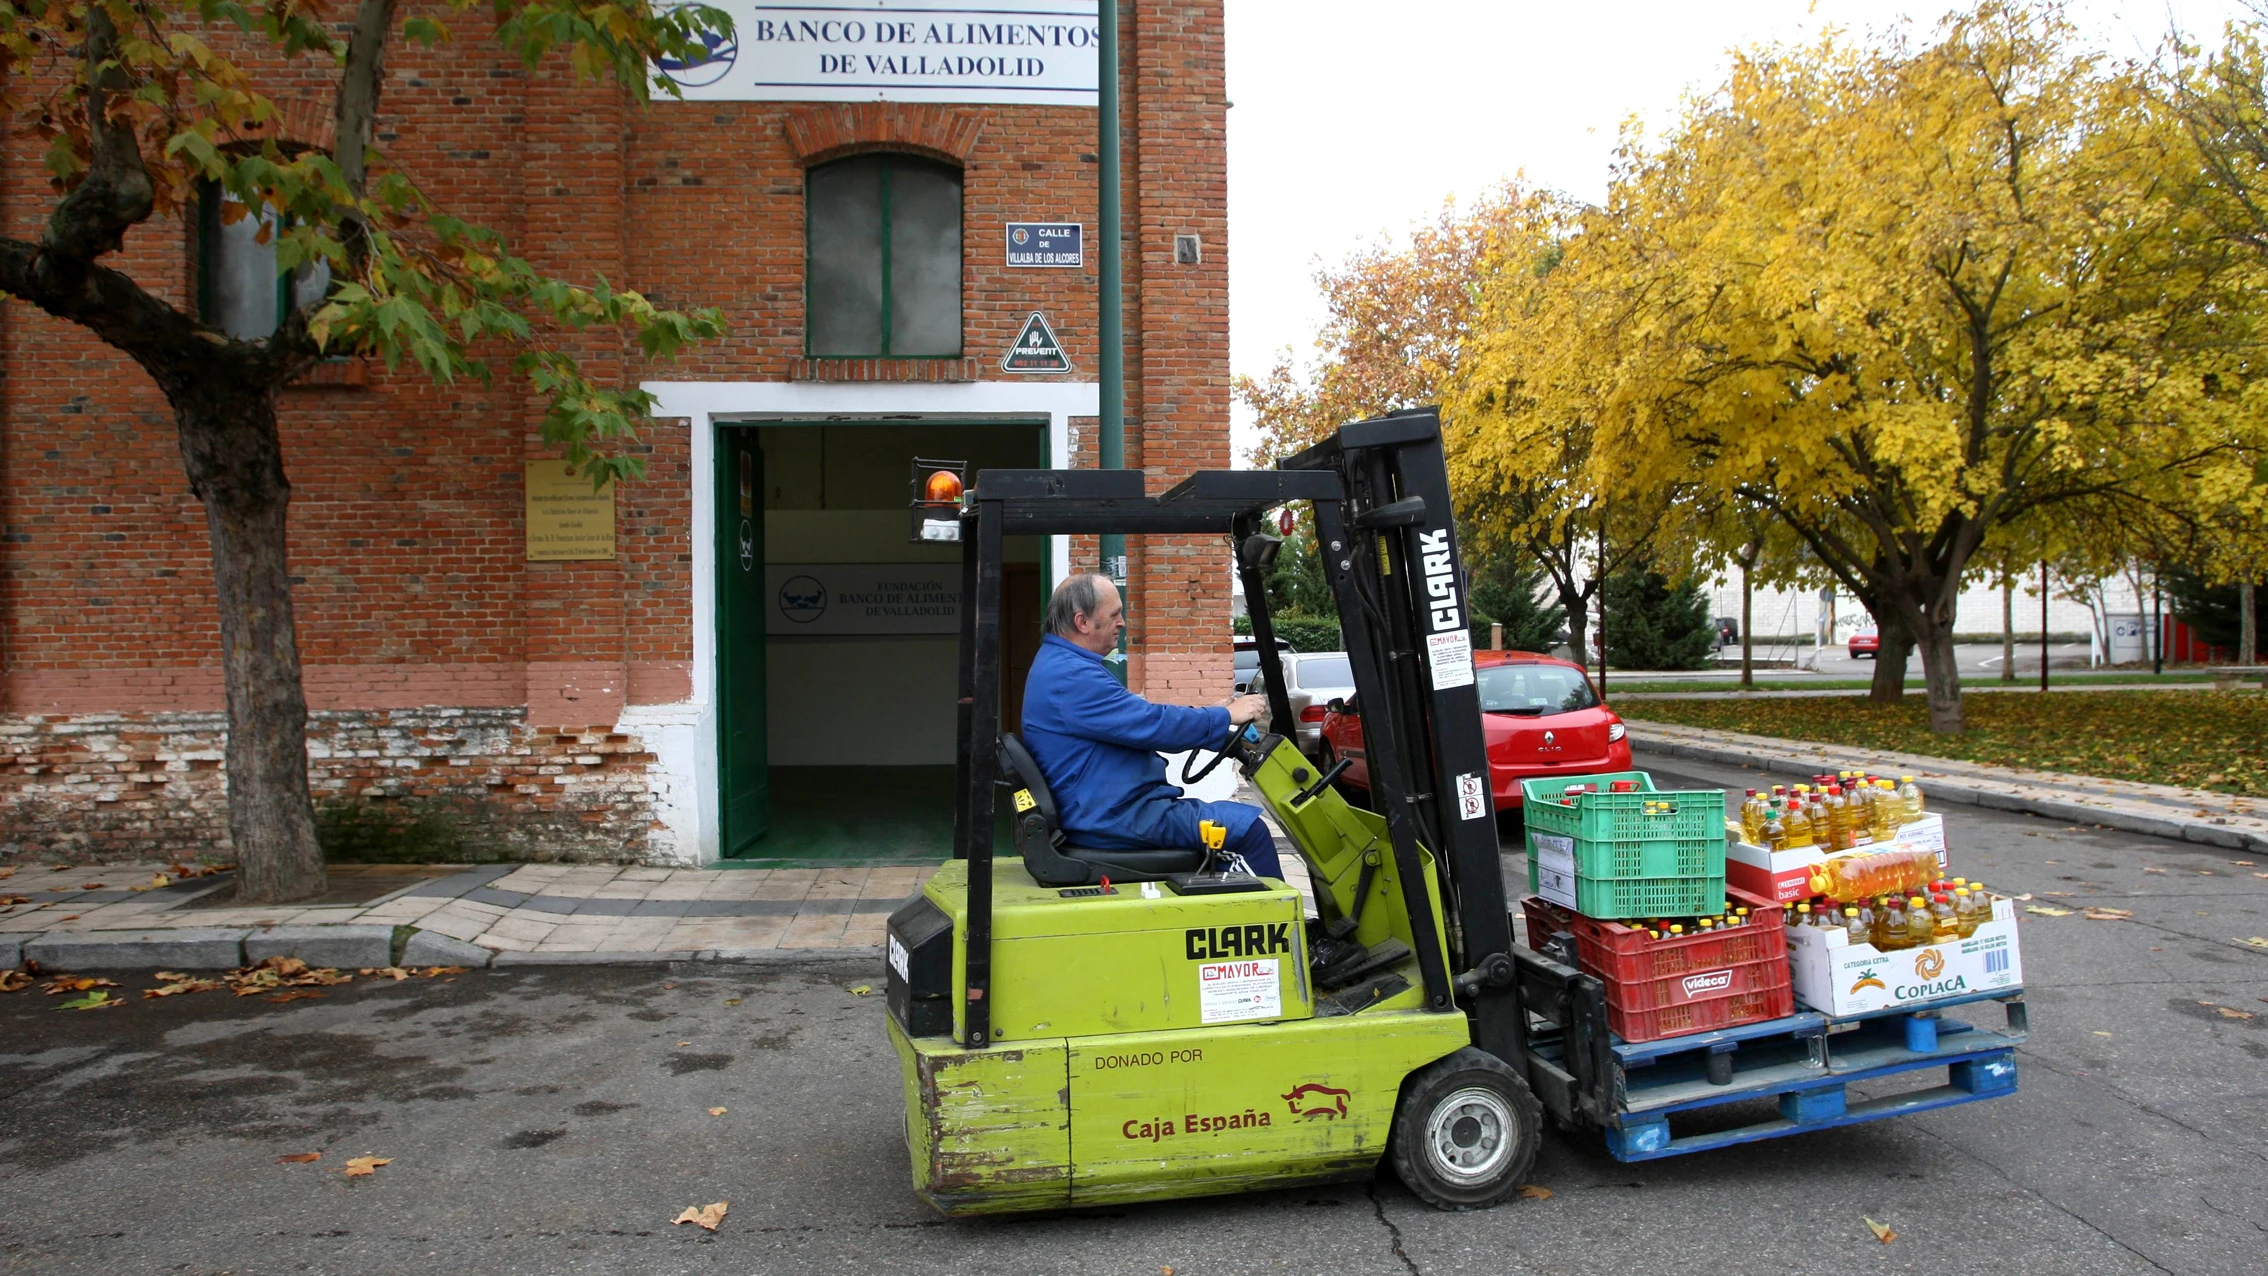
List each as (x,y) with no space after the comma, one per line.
(1235,732)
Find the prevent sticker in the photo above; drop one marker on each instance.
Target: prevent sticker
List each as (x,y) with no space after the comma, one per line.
(1236,991)
(1472,796)
(1449,658)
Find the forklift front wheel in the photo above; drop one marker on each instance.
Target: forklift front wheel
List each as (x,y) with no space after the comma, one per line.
(1467,1131)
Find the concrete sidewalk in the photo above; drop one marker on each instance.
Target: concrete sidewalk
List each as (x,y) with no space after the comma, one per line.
(2160,810)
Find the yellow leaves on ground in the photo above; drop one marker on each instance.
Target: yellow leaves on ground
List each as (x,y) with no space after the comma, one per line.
(2256,941)
(76,983)
(1881,1231)
(2110,915)
(705,1217)
(2047,910)
(92,1001)
(273,973)
(861,990)
(716,1111)
(364,1166)
(2226,1012)
(299,1158)
(12,980)
(174,983)
(2159,737)
(400,973)
(1534,1192)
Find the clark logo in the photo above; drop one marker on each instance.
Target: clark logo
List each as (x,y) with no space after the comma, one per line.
(1440,568)
(1713,981)
(1312,1100)
(1212,943)
(1929,963)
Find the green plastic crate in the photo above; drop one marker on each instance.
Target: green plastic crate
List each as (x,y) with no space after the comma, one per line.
(1621,861)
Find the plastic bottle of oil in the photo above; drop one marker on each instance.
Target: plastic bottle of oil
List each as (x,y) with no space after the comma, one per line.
(1892,934)
(1910,793)
(1854,927)
(1797,823)
(1775,831)
(1965,911)
(1921,925)
(1885,821)
(1983,900)
(1801,916)
(1867,914)
(1751,827)
(1944,917)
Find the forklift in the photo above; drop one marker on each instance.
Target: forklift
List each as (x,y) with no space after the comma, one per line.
(1080,1026)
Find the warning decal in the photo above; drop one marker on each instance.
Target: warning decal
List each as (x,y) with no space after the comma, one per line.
(1235,991)
(1449,656)
(1035,349)
(1472,797)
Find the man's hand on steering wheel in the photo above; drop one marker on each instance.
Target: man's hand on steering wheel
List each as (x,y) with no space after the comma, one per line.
(1243,709)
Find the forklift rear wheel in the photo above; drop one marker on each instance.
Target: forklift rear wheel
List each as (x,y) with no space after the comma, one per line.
(1467,1131)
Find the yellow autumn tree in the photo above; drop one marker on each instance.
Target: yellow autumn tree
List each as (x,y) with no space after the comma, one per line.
(1896,296)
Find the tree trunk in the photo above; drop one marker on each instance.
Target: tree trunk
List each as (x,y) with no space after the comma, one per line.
(235,465)
(1890,657)
(1747,632)
(2007,629)
(1578,628)
(1941,673)
(2248,624)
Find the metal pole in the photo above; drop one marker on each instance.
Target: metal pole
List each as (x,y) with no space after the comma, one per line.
(2158,622)
(2043,624)
(1600,571)
(1112,446)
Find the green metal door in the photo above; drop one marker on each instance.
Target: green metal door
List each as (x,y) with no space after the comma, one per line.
(743,769)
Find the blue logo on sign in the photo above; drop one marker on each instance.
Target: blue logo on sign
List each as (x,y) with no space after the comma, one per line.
(697,70)
(803,599)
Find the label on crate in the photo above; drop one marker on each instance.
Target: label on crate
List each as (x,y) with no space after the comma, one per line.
(1701,987)
(1555,867)
(1234,991)
(1926,834)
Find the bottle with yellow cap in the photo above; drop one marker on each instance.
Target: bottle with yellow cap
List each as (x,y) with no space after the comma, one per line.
(1921,925)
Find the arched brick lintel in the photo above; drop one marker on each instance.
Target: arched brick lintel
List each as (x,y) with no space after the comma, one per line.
(835,129)
(299,122)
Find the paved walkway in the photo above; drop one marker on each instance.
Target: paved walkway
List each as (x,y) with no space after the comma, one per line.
(1805,693)
(2160,810)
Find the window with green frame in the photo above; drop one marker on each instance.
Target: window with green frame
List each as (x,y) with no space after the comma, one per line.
(882,238)
(239,290)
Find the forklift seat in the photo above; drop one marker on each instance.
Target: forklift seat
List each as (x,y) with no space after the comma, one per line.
(1039,838)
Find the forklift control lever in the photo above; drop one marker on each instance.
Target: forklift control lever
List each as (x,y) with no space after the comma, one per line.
(1323,782)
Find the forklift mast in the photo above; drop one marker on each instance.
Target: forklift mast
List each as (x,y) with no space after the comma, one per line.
(1379,490)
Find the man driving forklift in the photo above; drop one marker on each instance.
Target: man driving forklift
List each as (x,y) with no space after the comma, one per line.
(1097,743)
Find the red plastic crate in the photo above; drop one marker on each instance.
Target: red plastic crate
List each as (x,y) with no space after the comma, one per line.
(1659,988)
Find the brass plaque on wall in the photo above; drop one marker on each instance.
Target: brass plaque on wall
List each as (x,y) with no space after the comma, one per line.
(567,521)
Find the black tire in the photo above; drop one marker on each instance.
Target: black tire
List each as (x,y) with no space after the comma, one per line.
(1465,1135)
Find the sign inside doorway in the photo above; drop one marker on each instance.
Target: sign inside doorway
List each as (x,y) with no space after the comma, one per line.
(1031,51)
(834,599)
(1035,349)
(566,520)
(1046,244)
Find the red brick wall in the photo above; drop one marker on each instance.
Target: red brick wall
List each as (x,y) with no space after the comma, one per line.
(412,586)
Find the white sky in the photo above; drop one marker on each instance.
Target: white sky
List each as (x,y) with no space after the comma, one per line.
(1355,120)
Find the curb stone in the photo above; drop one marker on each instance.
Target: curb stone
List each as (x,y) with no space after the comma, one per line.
(11,951)
(1947,788)
(186,949)
(671,958)
(788,956)
(432,948)
(352,946)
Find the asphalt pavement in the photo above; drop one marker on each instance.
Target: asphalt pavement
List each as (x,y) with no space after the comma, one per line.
(544,1120)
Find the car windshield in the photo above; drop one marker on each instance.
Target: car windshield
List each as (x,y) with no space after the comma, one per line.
(1325,671)
(1533,689)
(1248,658)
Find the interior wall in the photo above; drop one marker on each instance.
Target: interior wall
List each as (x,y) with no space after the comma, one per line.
(837,494)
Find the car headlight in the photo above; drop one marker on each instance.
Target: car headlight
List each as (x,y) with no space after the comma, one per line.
(1615,732)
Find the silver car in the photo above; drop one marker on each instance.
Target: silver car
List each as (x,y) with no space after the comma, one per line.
(1313,680)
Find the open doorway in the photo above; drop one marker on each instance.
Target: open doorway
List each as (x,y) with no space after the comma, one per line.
(847,657)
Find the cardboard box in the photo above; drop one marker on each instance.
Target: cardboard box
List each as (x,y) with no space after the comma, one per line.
(1784,875)
(1836,977)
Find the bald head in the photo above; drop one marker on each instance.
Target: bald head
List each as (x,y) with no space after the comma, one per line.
(1085,611)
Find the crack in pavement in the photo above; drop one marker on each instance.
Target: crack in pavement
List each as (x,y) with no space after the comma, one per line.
(2033,1058)
(2049,1201)
(1393,1233)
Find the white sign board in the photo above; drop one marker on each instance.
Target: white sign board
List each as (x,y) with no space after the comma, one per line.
(1035,51)
(862,598)
(1235,991)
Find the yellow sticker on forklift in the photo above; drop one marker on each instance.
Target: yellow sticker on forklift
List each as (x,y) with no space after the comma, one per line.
(1025,801)
(1236,991)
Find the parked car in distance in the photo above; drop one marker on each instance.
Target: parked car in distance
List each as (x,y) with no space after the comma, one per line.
(1538,713)
(1865,642)
(1247,657)
(1313,680)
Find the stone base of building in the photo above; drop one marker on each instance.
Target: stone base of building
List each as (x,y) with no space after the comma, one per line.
(436,785)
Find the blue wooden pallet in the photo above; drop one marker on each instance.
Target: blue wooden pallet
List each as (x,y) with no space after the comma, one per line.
(1806,1062)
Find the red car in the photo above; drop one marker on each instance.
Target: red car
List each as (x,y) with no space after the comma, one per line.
(1540,715)
(1866,642)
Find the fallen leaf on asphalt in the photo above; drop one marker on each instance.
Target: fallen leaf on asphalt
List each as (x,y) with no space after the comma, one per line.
(2025,895)
(2047,910)
(1881,1231)
(2260,874)
(2227,1012)
(2153,870)
(92,1001)
(6,873)
(435,972)
(76,983)
(1165,1271)
(395,973)
(2242,863)
(6,900)
(364,1166)
(684,1043)
(177,983)
(2254,942)
(92,886)
(716,1111)
(11,980)
(156,880)
(732,1001)
(2100,1033)
(706,1217)
(296,994)
(861,990)
(1531,1192)
(69,917)
(272,973)
(2109,915)
(299,1158)
(2057,894)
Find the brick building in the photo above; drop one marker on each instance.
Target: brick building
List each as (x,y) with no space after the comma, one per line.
(476,686)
